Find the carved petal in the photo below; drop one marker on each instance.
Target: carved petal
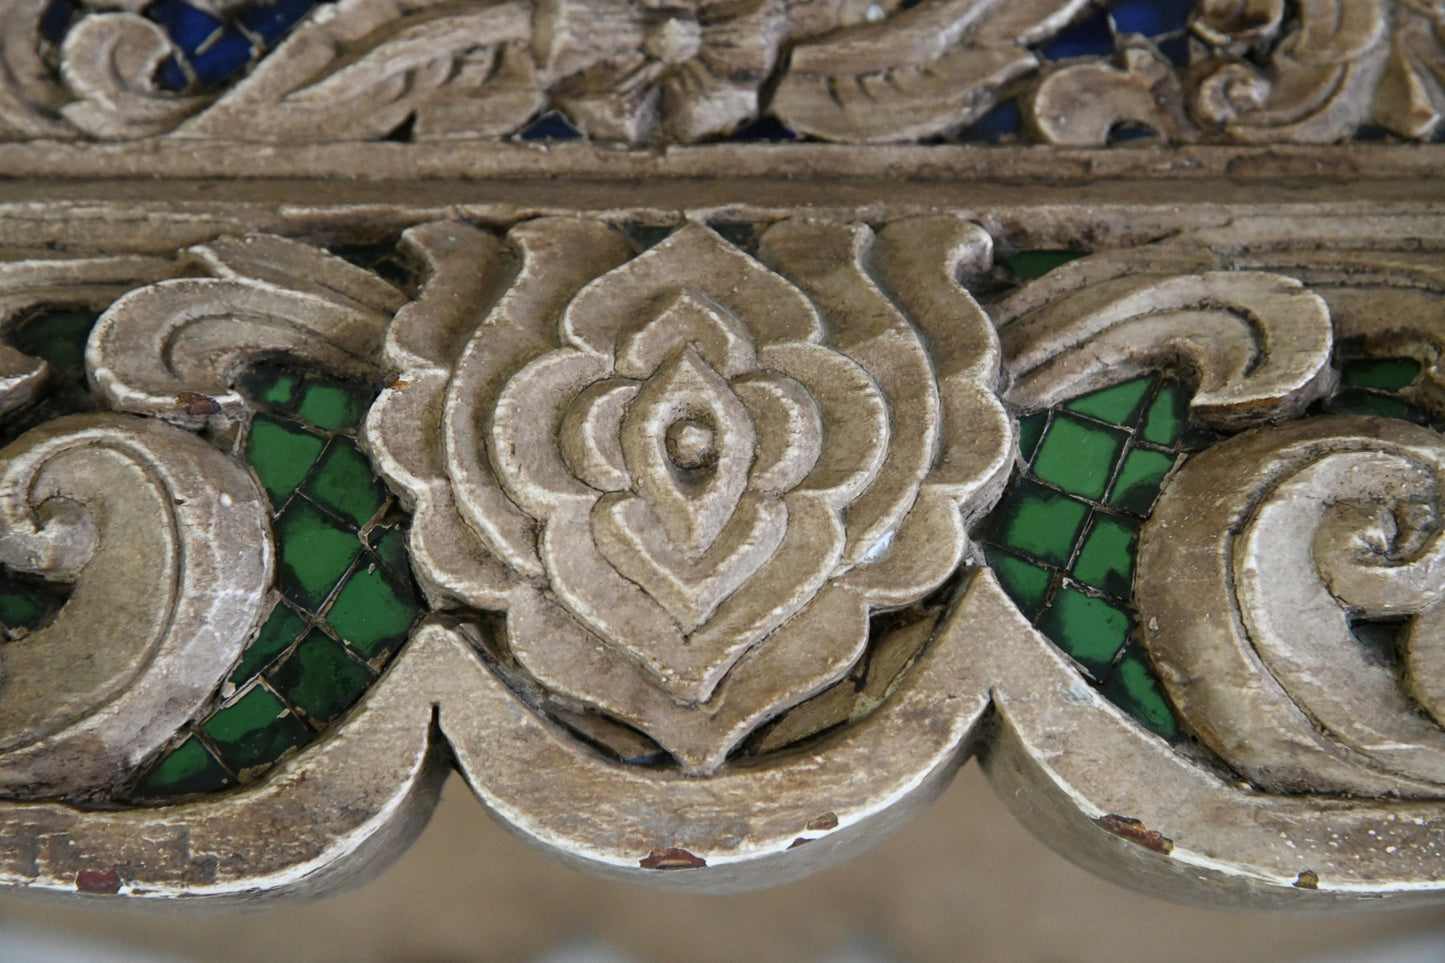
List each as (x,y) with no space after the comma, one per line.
(689,586)
(692,257)
(865,326)
(789,427)
(558,256)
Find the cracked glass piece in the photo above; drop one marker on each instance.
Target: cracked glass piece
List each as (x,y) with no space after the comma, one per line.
(321,677)
(284,626)
(189,768)
(255,730)
(1088,627)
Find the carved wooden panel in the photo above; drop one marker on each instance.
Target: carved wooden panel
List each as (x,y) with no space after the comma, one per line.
(707,503)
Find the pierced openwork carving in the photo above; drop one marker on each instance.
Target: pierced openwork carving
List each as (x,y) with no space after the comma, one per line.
(1078,73)
(713,512)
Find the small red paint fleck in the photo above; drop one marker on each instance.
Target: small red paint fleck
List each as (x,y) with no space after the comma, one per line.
(820,823)
(798,842)
(1136,832)
(671,859)
(197,404)
(97,881)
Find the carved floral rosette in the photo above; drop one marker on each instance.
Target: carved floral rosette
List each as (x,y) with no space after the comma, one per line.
(685,488)
(706,527)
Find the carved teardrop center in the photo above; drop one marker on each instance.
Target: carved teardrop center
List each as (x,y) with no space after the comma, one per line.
(692,445)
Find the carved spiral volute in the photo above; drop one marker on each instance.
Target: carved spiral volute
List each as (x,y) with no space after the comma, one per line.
(1259,559)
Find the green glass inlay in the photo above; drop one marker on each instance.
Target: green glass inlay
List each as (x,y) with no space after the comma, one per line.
(1133,687)
(373,613)
(22,606)
(1077,457)
(1106,561)
(1026,583)
(1116,405)
(1383,374)
(189,768)
(390,546)
(57,336)
(1140,478)
(1028,265)
(1031,429)
(315,553)
(332,406)
(1039,522)
(255,730)
(280,392)
(281,455)
(1087,628)
(344,483)
(1360,402)
(1168,415)
(281,629)
(320,678)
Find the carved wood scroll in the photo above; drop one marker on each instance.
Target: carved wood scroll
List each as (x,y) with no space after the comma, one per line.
(706,504)
(854,71)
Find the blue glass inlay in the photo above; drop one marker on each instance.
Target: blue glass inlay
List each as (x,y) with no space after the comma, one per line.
(552,125)
(188,27)
(269,21)
(1175,49)
(764,128)
(1090,37)
(1151,17)
(229,53)
(171,76)
(1130,131)
(55,21)
(1003,120)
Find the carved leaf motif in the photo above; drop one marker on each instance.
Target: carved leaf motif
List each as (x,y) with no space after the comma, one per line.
(358,70)
(932,68)
(1319,83)
(109,62)
(1260,343)
(273,297)
(1081,104)
(30,97)
(1410,99)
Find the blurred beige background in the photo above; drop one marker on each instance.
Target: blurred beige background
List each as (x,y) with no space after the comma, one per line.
(965,882)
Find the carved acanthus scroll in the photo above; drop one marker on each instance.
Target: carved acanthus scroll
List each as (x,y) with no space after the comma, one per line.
(699,70)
